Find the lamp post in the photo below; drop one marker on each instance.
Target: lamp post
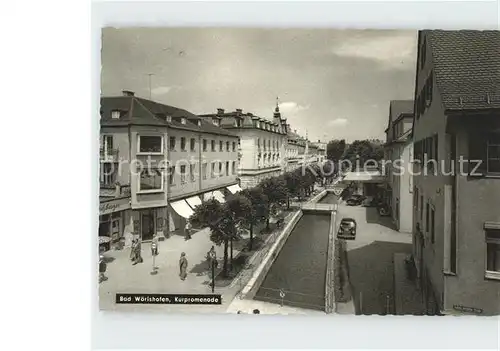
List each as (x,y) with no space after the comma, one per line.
(213,259)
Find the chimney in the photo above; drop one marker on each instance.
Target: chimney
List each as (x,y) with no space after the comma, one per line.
(128,93)
(220,111)
(239,110)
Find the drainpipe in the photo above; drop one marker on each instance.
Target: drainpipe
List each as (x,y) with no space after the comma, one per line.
(200,176)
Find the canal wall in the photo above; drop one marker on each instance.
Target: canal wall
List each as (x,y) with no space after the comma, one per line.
(260,273)
(253,285)
(330,286)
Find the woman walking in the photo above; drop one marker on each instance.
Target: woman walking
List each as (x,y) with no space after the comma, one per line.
(183,263)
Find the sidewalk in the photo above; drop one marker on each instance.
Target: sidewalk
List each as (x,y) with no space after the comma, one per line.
(408,299)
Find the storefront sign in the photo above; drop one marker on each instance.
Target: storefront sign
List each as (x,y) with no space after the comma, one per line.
(467,309)
(113,206)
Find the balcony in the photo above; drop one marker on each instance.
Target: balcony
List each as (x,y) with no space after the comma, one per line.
(108,155)
(113,190)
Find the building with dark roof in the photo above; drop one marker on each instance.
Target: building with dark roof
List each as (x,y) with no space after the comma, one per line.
(262,143)
(456,135)
(398,150)
(161,161)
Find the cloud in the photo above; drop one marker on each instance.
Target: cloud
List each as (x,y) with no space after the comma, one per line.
(339,122)
(160,90)
(291,108)
(390,50)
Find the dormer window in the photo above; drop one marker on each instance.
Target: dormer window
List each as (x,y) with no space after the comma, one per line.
(199,123)
(115,114)
(169,118)
(215,121)
(183,120)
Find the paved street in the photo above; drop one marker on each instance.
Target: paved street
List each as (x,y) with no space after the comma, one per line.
(370,259)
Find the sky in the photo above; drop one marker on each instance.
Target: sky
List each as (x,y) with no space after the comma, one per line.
(330,83)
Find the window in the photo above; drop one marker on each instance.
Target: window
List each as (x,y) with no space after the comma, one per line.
(227,145)
(108,174)
(234,167)
(227,168)
(106,145)
(169,118)
(192,144)
(183,144)
(213,145)
(221,145)
(397,209)
(151,180)
(421,207)
(171,143)
(258,143)
(192,171)
(432,225)
(183,174)
(204,144)
(493,153)
(220,169)
(150,144)
(183,120)
(415,198)
(493,253)
(234,146)
(427,216)
(213,170)
(115,114)
(204,170)
(484,153)
(171,175)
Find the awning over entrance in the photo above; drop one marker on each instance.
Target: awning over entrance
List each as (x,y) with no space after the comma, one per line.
(234,188)
(193,201)
(182,208)
(364,176)
(219,196)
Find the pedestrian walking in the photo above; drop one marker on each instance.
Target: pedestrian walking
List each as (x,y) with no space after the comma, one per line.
(187,230)
(183,263)
(137,252)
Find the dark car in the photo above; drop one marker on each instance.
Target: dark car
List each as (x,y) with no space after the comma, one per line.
(347,229)
(355,200)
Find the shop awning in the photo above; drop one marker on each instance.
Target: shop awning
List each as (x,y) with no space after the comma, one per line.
(234,188)
(193,201)
(208,196)
(219,196)
(182,208)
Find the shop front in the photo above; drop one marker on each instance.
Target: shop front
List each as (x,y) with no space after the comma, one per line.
(114,215)
(150,222)
(180,211)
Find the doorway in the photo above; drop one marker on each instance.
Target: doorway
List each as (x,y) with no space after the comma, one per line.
(147,224)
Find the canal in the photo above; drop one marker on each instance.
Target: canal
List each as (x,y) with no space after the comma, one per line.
(300,268)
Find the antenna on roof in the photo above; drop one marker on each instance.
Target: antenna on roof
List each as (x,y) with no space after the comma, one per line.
(149,75)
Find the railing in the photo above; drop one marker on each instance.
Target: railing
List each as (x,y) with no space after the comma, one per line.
(108,154)
(283,298)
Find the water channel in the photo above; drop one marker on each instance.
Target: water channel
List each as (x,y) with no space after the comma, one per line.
(300,268)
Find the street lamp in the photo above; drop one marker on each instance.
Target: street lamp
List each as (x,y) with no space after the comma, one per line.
(213,259)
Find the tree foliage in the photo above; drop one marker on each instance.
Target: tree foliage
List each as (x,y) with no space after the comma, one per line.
(335,149)
(259,209)
(366,150)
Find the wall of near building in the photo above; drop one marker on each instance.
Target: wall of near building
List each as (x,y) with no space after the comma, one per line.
(406,192)
(120,142)
(478,202)
(202,180)
(431,186)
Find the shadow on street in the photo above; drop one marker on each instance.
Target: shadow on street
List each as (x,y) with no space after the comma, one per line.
(371,274)
(372,216)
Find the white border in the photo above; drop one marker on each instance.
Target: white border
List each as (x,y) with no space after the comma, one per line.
(47,81)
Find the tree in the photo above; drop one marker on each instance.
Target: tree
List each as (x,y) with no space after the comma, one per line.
(275,189)
(364,149)
(218,218)
(242,214)
(335,149)
(293,185)
(260,208)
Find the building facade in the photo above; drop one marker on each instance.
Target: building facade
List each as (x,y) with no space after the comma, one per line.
(398,151)
(456,230)
(170,160)
(262,144)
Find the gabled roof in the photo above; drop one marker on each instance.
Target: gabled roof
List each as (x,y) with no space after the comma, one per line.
(466,67)
(139,111)
(398,108)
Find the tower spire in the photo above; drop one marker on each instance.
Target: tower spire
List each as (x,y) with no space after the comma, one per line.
(277,104)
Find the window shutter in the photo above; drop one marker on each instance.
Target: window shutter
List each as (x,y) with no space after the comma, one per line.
(436,157)
(477,153)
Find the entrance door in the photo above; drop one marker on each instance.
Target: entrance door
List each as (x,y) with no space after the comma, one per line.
(147,224)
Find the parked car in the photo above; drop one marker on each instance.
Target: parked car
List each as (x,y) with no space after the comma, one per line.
(369,201)
(347,229)
(383,210)
(355,200)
